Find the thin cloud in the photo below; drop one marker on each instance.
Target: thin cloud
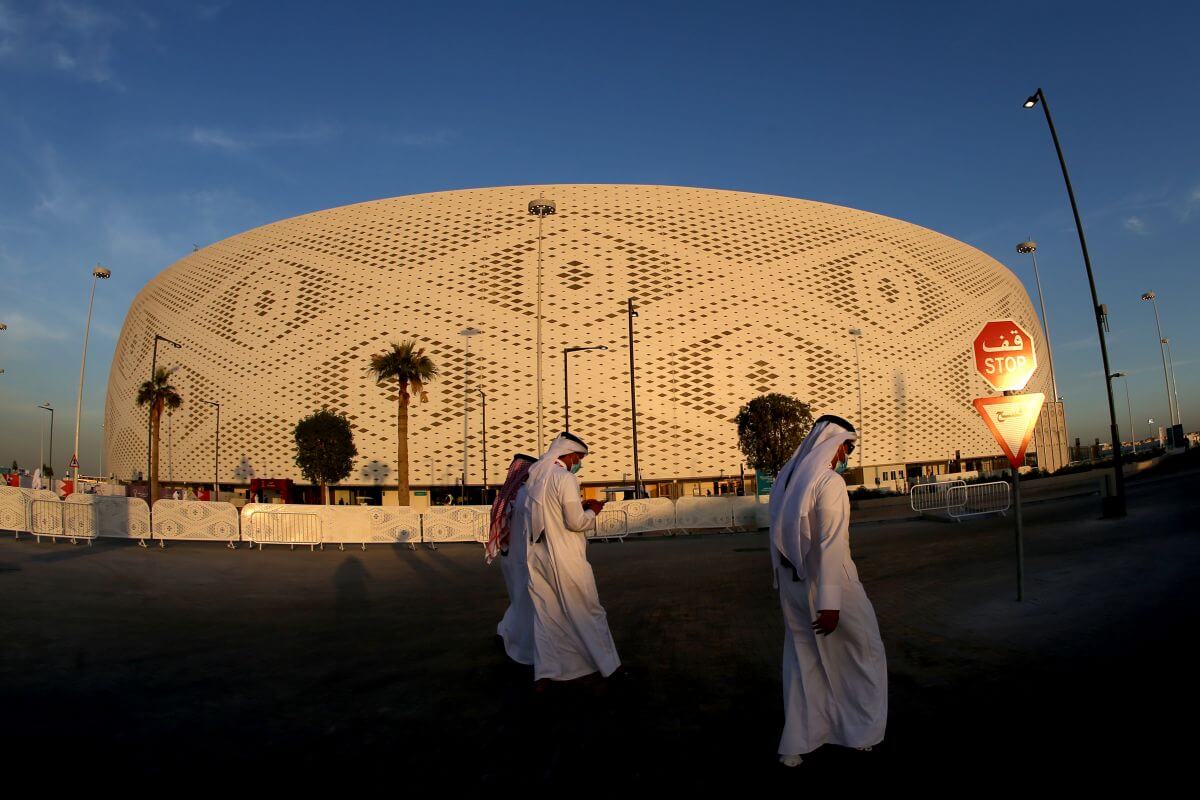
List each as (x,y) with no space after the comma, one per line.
(437,138)
(24,328)
(1135,225)
(72,37)
(238,142)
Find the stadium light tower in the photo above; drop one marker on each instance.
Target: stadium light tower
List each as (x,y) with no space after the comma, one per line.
(98,274)
(1114,506)
(540,208)
(1152,298)
(1029,247)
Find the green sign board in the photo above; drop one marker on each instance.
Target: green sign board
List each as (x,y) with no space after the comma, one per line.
(763,483)
(420,493)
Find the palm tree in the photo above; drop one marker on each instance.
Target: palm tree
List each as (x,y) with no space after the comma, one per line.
(411,369)
(157,394)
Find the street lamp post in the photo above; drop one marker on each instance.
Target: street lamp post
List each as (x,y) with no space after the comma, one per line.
(216,453)
(1128,409)
(1174,386)
(47,407)
(1113,506)
(1029,248)
(466,333)
(483,407)
(857,334)
(150,416)
(637,475)
(567,380)
(1162,351)
(541,209)
(98,274)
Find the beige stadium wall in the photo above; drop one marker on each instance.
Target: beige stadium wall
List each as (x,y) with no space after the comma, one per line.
(738,294)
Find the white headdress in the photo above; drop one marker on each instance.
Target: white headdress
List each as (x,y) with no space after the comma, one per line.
(794,491)
(540,474)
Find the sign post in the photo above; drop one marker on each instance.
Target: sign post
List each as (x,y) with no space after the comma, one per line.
(1005,358)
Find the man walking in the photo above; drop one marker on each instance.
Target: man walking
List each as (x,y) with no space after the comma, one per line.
(834,668)
(509,539)
(570,628)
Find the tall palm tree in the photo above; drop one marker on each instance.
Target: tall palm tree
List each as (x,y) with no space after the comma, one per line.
(158,394)
(411,369)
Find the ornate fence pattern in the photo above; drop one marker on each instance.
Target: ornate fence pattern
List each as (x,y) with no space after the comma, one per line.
(92,516)
(193,519)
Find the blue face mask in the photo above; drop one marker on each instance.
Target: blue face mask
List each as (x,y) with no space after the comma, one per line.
(578,465)
(841,466)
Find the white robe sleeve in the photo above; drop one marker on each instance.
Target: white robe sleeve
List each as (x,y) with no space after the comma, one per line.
(574,517)
(831,540)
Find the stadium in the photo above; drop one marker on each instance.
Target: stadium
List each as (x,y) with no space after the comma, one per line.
(736,295)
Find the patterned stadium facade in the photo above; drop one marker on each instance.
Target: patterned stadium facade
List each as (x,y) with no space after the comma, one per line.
(737,294)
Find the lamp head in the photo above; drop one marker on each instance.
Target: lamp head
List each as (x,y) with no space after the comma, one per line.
(855,331)
(103,273)
(542,208)
(1149,296)
(1032,100)
(1117,375)
(1027,247)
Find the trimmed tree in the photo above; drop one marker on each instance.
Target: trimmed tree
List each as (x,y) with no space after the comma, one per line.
(410,369)
(770,428)
(325,449)
(157,394)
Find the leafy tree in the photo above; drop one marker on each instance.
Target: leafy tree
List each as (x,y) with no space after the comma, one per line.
(157,394)
(325,449)
(47,471)
(410,369)
(770,428)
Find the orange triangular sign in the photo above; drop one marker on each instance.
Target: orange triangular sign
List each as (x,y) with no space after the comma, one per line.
(1011,420)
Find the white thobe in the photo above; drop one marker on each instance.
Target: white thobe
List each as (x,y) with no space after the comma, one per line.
(835,686)
(516,628)
(570,629)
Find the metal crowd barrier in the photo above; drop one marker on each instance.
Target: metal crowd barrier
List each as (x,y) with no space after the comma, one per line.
(55,519)
(285,527)
(979,499)
(932,496)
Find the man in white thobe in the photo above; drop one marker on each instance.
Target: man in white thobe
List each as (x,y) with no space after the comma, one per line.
(509,540)
(570,629)
(834,668)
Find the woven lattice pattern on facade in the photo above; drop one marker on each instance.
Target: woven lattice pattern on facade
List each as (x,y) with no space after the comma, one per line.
(738,294)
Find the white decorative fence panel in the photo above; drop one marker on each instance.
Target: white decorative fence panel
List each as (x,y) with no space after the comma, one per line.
(744,511)
(198,520)
(114,517)
(703,512)
(762,512)
(15,510)
(651,514)
(456,523)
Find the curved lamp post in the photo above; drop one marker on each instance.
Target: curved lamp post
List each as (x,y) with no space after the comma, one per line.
(98,274)
(1114,506)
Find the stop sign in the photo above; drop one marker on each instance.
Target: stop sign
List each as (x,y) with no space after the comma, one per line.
(1004,355)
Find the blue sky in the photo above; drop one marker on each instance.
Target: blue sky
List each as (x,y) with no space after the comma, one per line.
(130,131)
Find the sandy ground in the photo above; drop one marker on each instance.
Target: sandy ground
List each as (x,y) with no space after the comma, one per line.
(380,669)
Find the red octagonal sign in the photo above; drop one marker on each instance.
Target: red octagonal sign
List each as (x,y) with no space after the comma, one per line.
(1004,355)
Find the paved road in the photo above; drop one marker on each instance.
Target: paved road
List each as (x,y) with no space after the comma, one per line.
(198,663)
